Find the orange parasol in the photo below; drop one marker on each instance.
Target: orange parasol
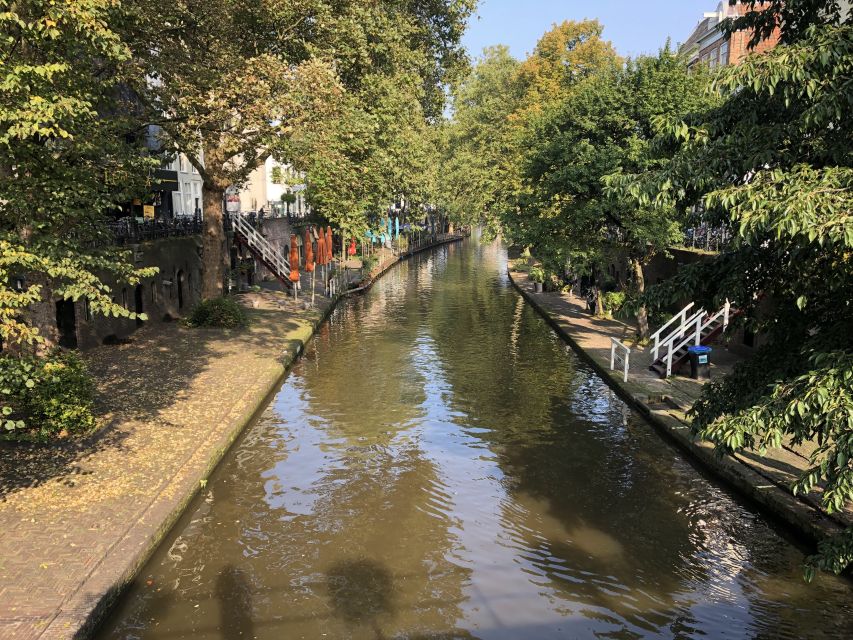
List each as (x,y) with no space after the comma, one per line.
(329,249)
(321,250)
(309,251)
(294,259)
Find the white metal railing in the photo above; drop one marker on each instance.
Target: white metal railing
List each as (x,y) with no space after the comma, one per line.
(260,245)
(696,334)
(619,353)
(680,317)
(686,327)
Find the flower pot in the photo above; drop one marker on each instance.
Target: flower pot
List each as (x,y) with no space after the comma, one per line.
(537,287)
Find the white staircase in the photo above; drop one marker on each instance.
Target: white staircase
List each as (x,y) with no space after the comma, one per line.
(262,249)
(686,329)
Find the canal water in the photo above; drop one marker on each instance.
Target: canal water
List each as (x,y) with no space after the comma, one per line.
(440,465)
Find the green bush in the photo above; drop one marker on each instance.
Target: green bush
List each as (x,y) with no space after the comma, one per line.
(218,312)
(537,274)
(44,397)
(369,263)
(613,301)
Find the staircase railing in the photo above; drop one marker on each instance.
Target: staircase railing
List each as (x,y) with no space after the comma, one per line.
(261,247)
(620,354)
(696,334)
(686,327)
(680,317)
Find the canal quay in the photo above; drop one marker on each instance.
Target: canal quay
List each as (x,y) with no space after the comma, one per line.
(439,463)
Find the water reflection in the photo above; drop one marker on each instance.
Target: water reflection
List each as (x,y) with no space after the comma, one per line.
(235,604)
(440,465)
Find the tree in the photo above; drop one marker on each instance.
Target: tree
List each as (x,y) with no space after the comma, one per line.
(224,101)
(565,55)
(604,126)
(495,109)
(773,161)
(378,145)
(563,59)
(72,150)
(298,73)
(478,153)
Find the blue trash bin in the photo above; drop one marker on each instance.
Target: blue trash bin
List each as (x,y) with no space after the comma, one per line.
(700,362)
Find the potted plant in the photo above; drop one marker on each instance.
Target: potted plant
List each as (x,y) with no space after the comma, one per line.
(613,301)
(537,277)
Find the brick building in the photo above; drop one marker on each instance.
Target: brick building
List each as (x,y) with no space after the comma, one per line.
(708,45)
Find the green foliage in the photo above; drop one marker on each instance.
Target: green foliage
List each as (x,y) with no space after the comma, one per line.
(613,301)
(42,397)
(536,274)
(773,161)
(368,263)
(603,126)
(343,91)
(218,312)
(479,152)
(63,165)
(496,107)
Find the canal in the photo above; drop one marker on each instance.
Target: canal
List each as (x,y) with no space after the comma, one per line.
(440,465)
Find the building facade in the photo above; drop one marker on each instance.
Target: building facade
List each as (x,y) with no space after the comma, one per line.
(186,200)
(708,45)
(266,186)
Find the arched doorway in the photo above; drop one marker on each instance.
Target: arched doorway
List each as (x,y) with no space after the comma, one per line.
(180,282)
(66,323)
(137,304)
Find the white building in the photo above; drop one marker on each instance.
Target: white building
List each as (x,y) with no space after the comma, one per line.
(186,201)
(266,186)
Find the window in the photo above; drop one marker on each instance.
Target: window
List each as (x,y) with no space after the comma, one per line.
(196,197)
(184,163)
(724,53)
(188,198)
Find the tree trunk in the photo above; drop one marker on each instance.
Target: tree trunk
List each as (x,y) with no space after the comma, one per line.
(599,303)
(640,287)
(214,255)
(597,290)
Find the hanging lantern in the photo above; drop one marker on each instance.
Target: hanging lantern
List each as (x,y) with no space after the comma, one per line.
(309,251)
(294,259)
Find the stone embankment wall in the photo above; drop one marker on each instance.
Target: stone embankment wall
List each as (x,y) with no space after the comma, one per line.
(168,295)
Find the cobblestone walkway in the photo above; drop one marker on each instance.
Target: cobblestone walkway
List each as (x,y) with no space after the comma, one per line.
(76,520)
(756,475)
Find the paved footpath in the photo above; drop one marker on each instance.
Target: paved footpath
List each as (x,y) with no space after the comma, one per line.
(77,521)
(767,480)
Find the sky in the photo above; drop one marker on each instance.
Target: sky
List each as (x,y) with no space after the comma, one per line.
(633,26)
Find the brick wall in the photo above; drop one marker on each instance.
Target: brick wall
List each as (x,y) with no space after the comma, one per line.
(168,295)
(738,49)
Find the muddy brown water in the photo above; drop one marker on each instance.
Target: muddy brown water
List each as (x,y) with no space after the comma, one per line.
(440,465)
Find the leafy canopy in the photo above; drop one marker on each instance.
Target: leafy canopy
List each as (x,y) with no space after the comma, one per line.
(70,150)
(774,161)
